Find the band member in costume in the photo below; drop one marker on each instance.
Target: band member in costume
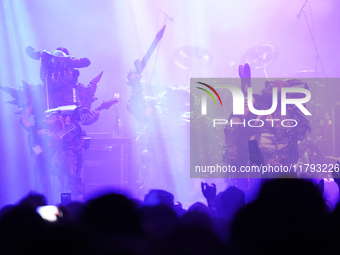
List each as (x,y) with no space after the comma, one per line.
(270,144)
(165,159)
(53,154)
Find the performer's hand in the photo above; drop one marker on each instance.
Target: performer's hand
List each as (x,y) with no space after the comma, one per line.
(133,78)
(93,117)
(29,49)
(32,53)
(95,114)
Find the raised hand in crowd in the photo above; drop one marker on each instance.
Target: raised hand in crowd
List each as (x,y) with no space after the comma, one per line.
(209,192)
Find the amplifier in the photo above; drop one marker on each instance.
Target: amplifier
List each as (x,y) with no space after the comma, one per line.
(107,163)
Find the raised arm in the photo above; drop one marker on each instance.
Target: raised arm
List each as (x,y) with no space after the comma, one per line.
(209,192)
(137,104)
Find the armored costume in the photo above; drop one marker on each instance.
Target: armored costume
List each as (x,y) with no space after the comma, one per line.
(278,145)
(167,116)
(60,88)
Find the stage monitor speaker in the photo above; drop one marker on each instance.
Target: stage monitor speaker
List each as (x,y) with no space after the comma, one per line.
(107,163)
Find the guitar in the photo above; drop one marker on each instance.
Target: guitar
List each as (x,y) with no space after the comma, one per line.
(46,146)
(140,65)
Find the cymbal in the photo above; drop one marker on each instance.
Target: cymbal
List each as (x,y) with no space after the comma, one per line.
(189,57)
(306,74)
(146,83)
(331,157)
(259,55)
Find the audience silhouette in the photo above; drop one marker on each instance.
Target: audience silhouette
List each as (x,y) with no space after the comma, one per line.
(289,216)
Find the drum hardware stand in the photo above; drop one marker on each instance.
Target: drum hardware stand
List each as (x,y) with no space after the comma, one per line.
(317,55)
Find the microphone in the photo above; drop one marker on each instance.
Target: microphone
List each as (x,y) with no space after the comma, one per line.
(167,16)
(301,10)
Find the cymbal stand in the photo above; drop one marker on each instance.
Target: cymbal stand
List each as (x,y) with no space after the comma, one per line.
(317,58)
(154,71)
(317,55)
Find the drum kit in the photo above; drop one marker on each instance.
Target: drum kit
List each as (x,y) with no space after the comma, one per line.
(192,57)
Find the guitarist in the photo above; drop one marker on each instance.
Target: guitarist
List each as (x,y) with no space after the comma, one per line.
(56,156)
(61,88)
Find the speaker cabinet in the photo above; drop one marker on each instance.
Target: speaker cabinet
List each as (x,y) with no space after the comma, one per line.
(107,164)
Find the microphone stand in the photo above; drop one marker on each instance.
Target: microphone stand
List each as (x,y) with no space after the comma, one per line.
(317,55)
(154,71)
(317,59)
(153,75)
